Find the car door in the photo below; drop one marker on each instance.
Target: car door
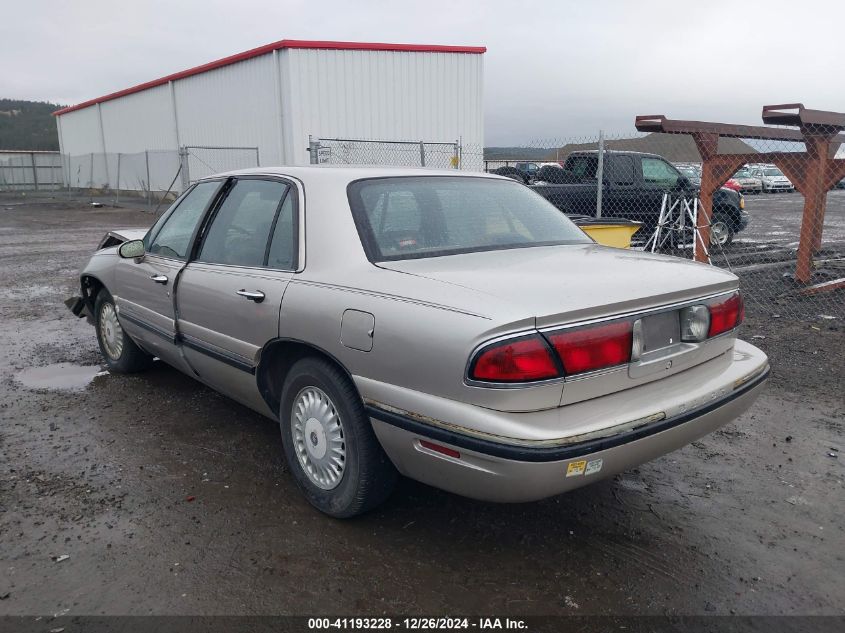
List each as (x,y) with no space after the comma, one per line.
(582,197)
(620,197)
(658,178)
(143,288)
(229,297)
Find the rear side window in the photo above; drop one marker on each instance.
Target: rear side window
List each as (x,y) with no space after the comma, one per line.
(282,252)
(173,238)
(240,229)
(413,217)
(621,170)
(583,166)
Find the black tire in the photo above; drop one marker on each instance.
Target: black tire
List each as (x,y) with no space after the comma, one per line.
(131,358)
(368,477)
(724,229)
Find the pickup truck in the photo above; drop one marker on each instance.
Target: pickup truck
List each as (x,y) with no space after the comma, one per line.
(633,187)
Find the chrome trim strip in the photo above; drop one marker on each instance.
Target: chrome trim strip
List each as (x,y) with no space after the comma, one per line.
(638,313)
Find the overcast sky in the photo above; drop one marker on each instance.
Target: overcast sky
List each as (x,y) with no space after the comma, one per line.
(554,69)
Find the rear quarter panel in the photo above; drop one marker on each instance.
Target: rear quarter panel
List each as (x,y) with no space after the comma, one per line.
(417,345)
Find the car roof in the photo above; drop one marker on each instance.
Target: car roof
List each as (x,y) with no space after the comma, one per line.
(583,152)
(341,174)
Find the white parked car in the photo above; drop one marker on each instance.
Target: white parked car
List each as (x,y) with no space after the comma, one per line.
(772,179)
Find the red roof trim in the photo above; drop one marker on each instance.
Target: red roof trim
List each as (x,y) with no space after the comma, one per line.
(269,48)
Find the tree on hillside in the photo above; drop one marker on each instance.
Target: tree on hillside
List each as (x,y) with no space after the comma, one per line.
(28,125)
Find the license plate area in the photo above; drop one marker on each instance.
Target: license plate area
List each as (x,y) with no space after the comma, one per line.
(661,348)
(660,331)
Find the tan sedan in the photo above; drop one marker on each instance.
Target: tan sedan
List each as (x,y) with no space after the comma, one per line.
(455,328)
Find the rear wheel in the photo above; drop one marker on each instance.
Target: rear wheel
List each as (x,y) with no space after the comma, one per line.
(122,355)
(329,443)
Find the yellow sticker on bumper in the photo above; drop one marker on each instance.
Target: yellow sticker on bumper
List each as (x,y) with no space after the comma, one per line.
(576,468)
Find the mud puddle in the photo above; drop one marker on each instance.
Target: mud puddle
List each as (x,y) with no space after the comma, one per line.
(59,376)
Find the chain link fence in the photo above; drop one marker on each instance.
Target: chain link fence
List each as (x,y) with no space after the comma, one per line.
(202,161)
(433,155)
(775,215)
(30,171)
(770,199)
(154,175)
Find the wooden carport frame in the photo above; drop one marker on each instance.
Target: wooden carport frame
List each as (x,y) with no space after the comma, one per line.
(813,172)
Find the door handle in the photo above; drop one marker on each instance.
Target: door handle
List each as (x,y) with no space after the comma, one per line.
(159,279)
(252,295)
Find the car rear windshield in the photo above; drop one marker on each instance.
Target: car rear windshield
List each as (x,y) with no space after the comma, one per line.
(429,216)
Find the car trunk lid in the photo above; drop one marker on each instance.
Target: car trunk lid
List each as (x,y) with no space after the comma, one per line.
(564,284)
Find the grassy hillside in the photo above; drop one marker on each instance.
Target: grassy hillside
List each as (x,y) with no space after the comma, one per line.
(28,125)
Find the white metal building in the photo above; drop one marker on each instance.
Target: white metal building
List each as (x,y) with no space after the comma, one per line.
(270,101)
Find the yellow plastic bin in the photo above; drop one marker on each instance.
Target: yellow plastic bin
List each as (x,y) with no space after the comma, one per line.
(616,232)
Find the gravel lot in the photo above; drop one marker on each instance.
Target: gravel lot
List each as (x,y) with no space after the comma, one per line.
(170,499)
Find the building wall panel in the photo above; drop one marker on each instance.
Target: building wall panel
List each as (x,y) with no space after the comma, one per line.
(396,95)
(139,121)
(81,132)
(232,106)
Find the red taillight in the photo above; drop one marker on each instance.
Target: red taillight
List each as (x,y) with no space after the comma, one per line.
(591,348)
(726,315)
(520,360)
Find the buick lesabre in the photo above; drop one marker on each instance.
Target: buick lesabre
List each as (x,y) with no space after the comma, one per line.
(451,327)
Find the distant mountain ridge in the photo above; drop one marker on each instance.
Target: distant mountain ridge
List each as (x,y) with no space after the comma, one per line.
(674,147)
(28,125)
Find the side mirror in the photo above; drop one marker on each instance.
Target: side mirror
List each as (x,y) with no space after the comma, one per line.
(132,249)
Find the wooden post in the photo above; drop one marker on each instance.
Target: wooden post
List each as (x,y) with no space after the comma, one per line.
(715,171)
(708,146)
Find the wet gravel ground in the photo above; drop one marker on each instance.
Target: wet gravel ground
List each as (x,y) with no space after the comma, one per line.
(151,494)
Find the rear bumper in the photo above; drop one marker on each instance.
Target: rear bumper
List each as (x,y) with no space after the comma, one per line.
(496,469)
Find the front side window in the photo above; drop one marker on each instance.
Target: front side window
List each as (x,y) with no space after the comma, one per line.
(240,229)
(173,237)
(659,173)
(429,216)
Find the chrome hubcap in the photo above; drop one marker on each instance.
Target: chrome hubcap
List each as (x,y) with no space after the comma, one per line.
(318,438)
(111,333)
(718,233)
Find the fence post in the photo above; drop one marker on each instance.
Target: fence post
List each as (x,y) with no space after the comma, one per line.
(313,151)
(149,184)
(91,172)
(422,154)
(117,197)
(183,162)
(34,170)
(257,158)
(600,175)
